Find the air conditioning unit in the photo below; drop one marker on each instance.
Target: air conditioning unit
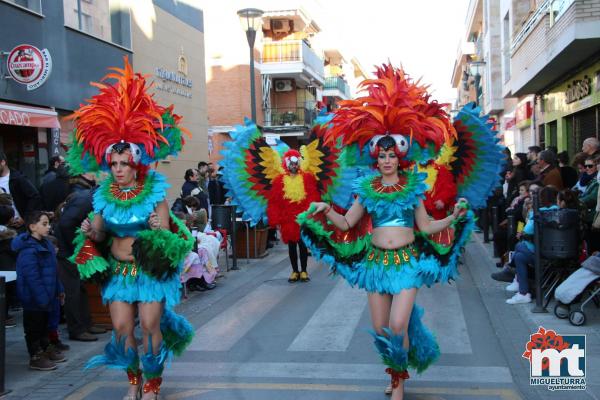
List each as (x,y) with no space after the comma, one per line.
(280,25)
(284,85)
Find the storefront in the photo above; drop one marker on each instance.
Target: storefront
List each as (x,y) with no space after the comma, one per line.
(29,136)
(523,123)
(45,71)
(570,112)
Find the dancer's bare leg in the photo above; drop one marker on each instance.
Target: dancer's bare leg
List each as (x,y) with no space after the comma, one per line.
(380,306)
(402,306)
(150,314)
(123,318)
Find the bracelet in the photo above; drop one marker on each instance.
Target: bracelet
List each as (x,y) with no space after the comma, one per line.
(329,207)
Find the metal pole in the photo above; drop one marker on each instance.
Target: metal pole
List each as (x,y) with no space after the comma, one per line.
(485,224)
(247,242)
(234,266)
(3,391)
(539,301)
(251,36)
(494,221)
(255,245)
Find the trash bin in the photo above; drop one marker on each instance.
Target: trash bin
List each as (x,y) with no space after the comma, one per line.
(222,217)
(559,234)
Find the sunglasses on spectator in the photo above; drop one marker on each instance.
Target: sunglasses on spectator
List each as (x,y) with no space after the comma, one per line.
(589,165)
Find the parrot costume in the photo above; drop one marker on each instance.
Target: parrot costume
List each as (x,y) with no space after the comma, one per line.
(124,117)
(439,161)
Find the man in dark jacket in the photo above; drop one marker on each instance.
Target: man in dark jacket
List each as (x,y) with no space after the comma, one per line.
(55,184)
(77,311)
(26,197)
(190,188)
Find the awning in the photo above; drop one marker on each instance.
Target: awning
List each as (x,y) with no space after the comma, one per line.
(18,115)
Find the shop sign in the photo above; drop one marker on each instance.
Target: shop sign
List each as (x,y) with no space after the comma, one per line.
(29,65)
(523,115)
(578,90)
(173,82)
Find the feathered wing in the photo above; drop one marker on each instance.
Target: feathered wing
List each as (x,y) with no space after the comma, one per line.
(335,165)
(477,158)
(250,166)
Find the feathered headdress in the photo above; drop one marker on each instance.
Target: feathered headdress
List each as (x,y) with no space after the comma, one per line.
(396,106)
(123,112)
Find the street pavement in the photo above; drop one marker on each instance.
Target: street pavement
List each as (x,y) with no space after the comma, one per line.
(259,337)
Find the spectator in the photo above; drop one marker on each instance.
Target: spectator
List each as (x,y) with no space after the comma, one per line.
(53,166)
(37,288)
(203,169)
(190,188)
(532,154)
(216,188)
(55,184)
(26,198)
(549,173)
(591,146)
(81,182)
(7,256)
(589,196)
(568,174)
(521,172)
(524,250)
(77,312)
(553,149)
(585,177)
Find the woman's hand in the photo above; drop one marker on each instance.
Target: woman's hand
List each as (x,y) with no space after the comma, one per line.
(86,227)
(320,207)
(460,208)
(154,221)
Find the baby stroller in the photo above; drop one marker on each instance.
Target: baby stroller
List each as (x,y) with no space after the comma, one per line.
(584,284)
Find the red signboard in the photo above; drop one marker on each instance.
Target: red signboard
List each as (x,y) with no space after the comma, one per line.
(29,65)
(523,114)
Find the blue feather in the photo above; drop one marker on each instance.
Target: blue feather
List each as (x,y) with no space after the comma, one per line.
(115,356)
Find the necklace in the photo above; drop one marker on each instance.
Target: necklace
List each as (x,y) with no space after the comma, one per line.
(378,186)
(125,194)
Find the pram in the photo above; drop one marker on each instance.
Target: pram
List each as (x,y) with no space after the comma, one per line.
(584,284)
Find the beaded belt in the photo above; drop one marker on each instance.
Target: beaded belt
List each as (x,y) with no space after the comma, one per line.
(396,256)
(124,267)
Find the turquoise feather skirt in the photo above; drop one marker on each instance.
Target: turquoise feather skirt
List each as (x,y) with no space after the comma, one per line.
(130,285)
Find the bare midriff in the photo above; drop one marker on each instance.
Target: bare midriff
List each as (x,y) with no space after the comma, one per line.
(121,248)
(392,237)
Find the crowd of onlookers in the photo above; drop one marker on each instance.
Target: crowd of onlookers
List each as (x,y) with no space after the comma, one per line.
(560,184)
(37,230)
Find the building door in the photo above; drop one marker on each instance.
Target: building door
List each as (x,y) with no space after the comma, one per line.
(26,150)
(580,126)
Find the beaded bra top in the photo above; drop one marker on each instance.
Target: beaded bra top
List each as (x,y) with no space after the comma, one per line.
(391,205)
(126,210)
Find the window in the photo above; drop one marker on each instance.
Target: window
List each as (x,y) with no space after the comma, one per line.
(33,5)
(108,20)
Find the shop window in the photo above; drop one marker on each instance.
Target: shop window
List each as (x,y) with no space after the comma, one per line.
(580,126)
(108,20)
(33,5)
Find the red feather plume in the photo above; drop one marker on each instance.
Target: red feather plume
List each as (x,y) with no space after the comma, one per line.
(122,111)
(394,104)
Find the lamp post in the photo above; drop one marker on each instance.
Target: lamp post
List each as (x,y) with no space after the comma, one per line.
(250,18)
(476,69)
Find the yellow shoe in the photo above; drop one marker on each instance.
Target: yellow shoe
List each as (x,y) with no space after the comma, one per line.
(294,277)
(304,276)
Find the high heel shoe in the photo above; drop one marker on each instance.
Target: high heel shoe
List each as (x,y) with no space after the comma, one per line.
(135,379)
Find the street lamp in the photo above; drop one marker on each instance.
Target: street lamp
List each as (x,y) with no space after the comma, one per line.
(251,21)
(476,69)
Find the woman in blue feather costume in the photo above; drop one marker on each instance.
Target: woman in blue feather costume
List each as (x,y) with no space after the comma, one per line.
(131,244)
(386,243)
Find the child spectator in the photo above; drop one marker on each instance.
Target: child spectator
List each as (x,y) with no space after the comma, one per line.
(37,288)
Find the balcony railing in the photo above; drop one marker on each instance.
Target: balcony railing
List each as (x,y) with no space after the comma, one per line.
(289,116)
(288,51)
(336,82)
(539,13)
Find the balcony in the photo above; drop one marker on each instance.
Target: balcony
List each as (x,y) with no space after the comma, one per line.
(289,119)
(336,86)
(558,37)
(292,59)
